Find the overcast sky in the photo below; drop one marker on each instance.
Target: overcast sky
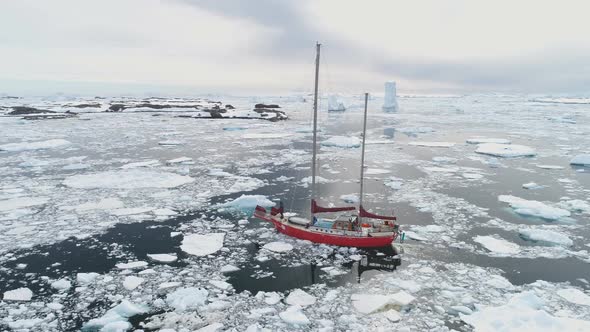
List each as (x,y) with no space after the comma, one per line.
(241,47)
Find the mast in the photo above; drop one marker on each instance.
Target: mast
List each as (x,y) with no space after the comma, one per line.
(315,122)
(363,156)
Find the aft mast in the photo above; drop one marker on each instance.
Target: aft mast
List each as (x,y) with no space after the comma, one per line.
(363,158)
(315,127)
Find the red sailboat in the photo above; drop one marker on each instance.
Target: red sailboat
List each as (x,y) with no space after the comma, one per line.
(364,230)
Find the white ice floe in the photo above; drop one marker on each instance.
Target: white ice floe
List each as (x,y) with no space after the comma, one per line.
(576,205)
(392,315)
(86,278)
(211,328)
(25,146)
(294,315)
(184,299)
(376,171)
(394,183)
(416,130)
(278,246)
(220,284)
(300,297)
(531,185)
(574,295)
(181,160)
(524,310)
(505,150)
(433,144)
(132,282)
(534,208)
(581,159)
(481,140)
(266,135)
(546,236)
(248,202)
(21,202)
(130,211)
(318,179)
(202,244)
(550,166)
(497,245)
(146,163)
(19,294)
(472,176)
(132,265)
(369,303)
(104,204)
(350,198)
(228,268)
(163,258)
(342,142)
(116,319)
(128,179)
(61,284)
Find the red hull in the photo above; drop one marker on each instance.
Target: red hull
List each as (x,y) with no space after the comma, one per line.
(335,240)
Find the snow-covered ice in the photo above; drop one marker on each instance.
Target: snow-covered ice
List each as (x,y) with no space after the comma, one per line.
(546,236)
(26,146)
(481,140)
(497,245)
(278,246)
(505,150)
(301,298)
(202,244)
(128,179)
(163,258)
(534,208)
(19,294)
(433,144)
(342,142)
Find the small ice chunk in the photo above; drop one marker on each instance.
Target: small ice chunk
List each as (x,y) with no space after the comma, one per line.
(480,140)
(146,163)
(293,315)
(472,176)
(433,144)
(392,315)
(278,246)
(531,185)
(220,284)
(248,202)
(211,328)
(505,150)
(163,258)
(342,142)
(184,299)
(550,166)
(181,160)
(370,303)
(300,297)
(546,236)
(61,284)
(350,198)
(581,160)
(575,205)
(202,244)
(132,265)
(19,294)
(497,246)
(229,268)
(574,296)
(533,208)
(170,284)
(86,278)
(116,318)
(132,282)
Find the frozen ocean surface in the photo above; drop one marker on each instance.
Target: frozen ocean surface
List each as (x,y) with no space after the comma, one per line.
(141,218)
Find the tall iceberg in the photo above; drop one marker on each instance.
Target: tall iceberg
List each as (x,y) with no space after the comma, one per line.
(334,105)
(390,102)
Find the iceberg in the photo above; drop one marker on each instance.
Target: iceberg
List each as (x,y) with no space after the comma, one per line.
(334,105)
(390,100)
